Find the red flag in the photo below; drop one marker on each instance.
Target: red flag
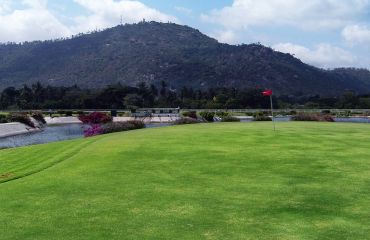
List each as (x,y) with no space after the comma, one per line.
(267,93)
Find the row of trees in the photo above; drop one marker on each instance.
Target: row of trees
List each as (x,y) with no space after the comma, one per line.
(118,96)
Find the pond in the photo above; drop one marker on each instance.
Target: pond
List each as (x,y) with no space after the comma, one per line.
(53,134)
(353,119)
(49,134)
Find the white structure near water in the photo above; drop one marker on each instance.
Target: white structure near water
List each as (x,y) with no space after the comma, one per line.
(12,129)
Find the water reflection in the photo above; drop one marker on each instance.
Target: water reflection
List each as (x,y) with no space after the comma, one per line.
(53,134)
(49,134)
(276,119)
(353,119)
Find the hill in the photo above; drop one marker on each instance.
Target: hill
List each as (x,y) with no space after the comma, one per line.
(178,55)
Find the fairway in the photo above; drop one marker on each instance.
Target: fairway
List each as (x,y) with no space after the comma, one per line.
(204,181)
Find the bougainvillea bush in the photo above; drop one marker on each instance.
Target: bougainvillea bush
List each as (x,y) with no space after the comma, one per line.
(313,117)
(186,120)
(122,126)
(112,127)
(262,118)
(93,130)
(95,118)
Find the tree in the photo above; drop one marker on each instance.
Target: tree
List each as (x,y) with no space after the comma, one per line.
(26,98)
(38,92)
(8,97)
(163,90)
(133,102)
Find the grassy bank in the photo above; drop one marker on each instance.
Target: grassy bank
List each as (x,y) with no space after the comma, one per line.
(206,181)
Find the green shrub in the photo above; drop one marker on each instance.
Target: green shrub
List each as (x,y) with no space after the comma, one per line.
(326,112)
(78,113)
(283,113)
(3,118)
(123,114)
(186,120)
(260,116)
(22,118)
(230,119)
(222,114)
(68,113)
(208,116)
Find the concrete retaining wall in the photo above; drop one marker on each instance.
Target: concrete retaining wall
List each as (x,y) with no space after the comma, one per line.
(62,120)
(12,129)
(147,120)
(71,120)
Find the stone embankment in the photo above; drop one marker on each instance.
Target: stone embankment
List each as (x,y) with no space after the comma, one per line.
(12,129)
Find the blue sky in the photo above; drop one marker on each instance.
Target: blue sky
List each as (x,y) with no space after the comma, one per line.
(324,33)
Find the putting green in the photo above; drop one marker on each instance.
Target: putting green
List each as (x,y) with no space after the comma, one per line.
(205,181)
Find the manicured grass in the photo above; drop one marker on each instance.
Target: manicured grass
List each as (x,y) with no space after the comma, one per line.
(205,181)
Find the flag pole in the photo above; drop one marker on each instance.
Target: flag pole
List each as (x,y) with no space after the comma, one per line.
(272,112)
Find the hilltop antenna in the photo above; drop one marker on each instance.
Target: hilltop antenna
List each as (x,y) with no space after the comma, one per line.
(121,20)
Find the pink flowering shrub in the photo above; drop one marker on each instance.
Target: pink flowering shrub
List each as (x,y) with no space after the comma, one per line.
(95,118)
(122,126)
(313,117)
(101,123)
(93,130)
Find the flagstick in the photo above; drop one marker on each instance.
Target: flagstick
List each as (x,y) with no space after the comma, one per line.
(272,112)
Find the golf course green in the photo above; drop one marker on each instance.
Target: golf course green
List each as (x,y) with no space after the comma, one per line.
(203,181)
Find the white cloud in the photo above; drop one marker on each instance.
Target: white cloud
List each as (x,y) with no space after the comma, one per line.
(39,4)
(5,6)
(322,55)
(227,36)
(312,14)
(356,34)
(184,10)
(32,23)
(107,13)
(36,22)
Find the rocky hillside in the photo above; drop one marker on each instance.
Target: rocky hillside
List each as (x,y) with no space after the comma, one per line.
(178,55)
